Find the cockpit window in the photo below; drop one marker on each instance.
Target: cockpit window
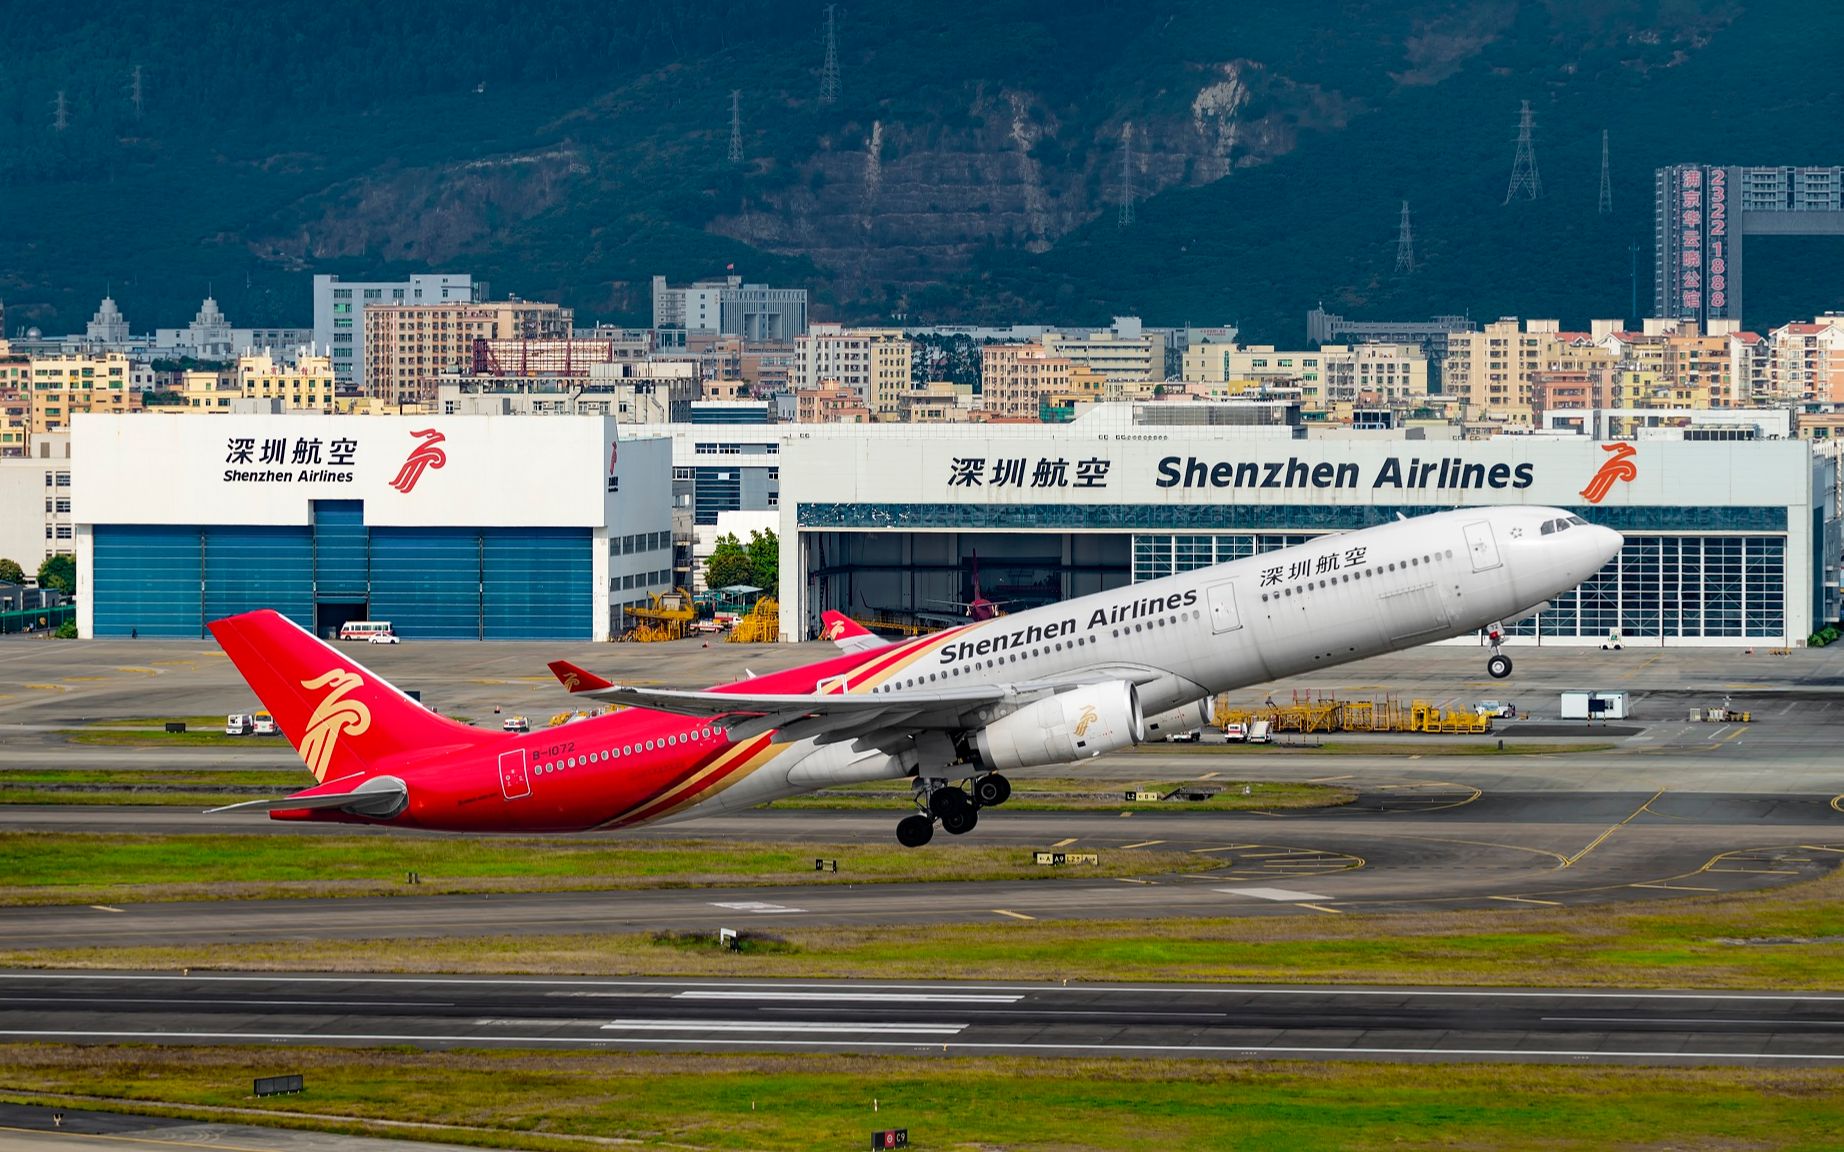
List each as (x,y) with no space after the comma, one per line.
(1578,520)
(1549,526)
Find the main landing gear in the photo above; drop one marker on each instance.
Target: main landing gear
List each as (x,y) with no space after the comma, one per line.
(1499,666)
(957,811)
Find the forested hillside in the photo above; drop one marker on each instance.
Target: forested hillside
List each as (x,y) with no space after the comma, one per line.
(971,168)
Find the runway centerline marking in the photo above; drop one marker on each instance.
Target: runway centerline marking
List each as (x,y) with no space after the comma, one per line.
(779,1026)
(1013,915)
(1527,900)
(1280,895)
(1598,840)
(755,906)
(882,997)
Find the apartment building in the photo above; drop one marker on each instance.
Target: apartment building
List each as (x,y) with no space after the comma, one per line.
(89,382)
(1014,379)
(1806,362)
(1125,351)
(831,404)
(1491,370)
(408,347)
(874,362)
(339,312)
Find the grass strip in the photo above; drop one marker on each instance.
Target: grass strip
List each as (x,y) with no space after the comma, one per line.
(1092,795)
(160,722)
(55,867)
(1295,744)
(548,1100)
(1783,938)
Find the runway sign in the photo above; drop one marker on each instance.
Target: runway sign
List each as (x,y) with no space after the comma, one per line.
(1060,858)
(890,1138)
(279,1085)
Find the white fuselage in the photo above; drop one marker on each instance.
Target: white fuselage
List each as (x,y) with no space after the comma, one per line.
(1184,638)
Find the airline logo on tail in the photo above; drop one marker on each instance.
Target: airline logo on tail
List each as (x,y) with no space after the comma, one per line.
(571,681)
(835,629)
(422,457)
(332,717)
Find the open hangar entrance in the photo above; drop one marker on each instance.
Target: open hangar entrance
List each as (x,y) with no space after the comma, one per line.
(916,575)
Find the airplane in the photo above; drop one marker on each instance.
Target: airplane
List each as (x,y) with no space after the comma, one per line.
(951,711)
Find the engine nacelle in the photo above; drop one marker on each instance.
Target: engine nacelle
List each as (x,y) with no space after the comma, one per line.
(1067,727)
(1176,721)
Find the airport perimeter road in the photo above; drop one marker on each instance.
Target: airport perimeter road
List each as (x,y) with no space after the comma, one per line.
(1610,1026)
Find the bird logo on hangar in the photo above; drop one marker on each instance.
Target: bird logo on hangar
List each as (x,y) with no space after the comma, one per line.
(1617,467)
(422,457)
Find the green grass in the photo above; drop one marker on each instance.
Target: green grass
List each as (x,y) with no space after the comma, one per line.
(160,722)
(175,788)
(550,1100)
(1785,938)
(1382,747)
(58,868)
(1061,795)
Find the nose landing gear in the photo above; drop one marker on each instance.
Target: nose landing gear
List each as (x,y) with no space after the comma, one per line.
(958,812)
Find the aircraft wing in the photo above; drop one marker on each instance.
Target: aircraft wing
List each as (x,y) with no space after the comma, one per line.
(848,634)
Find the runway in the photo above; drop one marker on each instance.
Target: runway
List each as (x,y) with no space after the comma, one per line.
(1742,1028)
(1409,849)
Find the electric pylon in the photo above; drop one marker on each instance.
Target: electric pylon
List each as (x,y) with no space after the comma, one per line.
(736,126)
(1126,175)
(1606,182)
(1524,176)
(829,72)
(1405,243)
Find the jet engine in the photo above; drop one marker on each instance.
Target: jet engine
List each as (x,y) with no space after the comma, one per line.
(1174,721)
(1067,727)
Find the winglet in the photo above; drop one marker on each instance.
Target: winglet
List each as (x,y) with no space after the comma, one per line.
(575,679)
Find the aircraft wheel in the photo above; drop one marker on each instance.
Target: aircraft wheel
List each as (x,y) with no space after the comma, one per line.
(961,820)
(943,801)
(992,790)
(1499,667)
(914,831)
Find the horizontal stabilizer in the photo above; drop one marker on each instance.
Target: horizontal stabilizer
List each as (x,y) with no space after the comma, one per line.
(379,796)
(848,634)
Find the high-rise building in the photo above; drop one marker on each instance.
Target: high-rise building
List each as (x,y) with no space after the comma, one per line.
(730,307)
(62,386)
(1490,370)
(409,346)
(339,312)
(874,362)
(1702,212)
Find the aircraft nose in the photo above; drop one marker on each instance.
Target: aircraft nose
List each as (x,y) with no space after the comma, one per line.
(1604,543)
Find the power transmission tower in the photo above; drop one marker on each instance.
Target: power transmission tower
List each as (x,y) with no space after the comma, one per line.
(1126,175)
(135,91)
(1524,176)
(829,72)
(1405,243)
(736,126)
(1606,183)
(60,117)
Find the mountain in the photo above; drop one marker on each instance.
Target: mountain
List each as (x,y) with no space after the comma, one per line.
(971,168)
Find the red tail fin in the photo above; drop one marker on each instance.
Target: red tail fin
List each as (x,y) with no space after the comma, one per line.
(341,717)
(576,679)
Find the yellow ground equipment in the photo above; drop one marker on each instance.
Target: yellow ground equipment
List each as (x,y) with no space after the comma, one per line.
(667,618)
(761,626)
(879,623)
(1310,714)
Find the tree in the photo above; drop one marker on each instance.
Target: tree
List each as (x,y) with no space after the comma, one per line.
(765,560)
(11,572)
(728,564)
(59,572)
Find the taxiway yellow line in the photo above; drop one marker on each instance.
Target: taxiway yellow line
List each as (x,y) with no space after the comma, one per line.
(1527,900)
(1064,843)
(1322,908)
(1676,887)
(1598,840)
(1141,844)
(1014,915)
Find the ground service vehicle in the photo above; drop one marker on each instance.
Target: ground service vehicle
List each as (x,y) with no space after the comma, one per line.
(364,629)
(239,724)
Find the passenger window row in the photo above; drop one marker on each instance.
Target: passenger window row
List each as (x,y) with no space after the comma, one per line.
(1348,577)
(613,753)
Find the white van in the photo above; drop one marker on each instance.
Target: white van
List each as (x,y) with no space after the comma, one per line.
(239,724)
(263,724)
